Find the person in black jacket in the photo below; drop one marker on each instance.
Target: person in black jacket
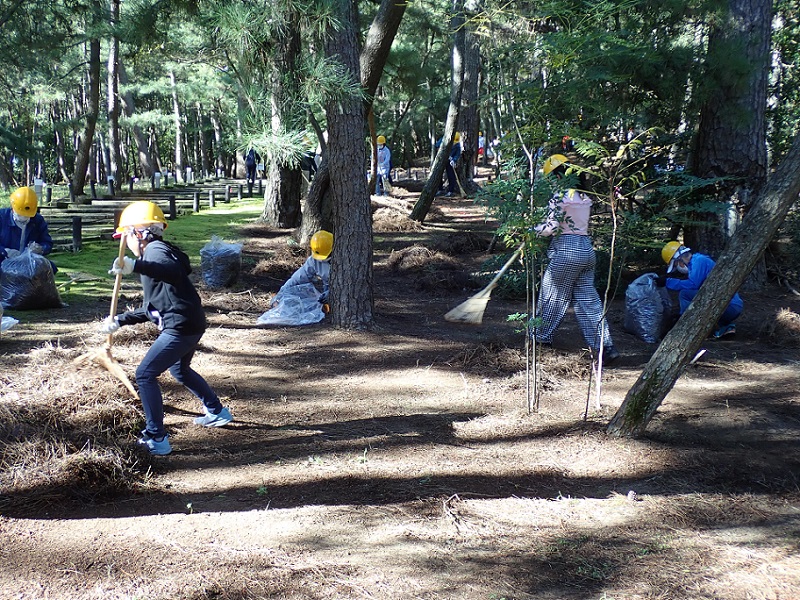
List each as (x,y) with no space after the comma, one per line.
(172,303)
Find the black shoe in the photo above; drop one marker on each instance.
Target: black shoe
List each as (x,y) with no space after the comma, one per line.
(610,354)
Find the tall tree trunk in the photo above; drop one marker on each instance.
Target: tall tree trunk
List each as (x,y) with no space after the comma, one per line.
(92,109)
(351,273)
(468,118)
(744,249)
(142,146)
(59,142)
(372,61)
(113,98)
(284,180)
(731,137)
(239,169)
(204,143)
(219,154)
(378,43)
(178,121)
(423,205)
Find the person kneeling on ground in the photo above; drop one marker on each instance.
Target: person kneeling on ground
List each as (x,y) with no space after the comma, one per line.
(696,267)
(22,227)
(171,302)
(316,269)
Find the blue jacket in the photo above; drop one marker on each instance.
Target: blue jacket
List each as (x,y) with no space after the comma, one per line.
(699,268)
(384,161)
(455,152)
(10,234)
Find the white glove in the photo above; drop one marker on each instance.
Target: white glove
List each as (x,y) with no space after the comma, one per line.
(109,325)
(125,269)
(35,248)
(11,253)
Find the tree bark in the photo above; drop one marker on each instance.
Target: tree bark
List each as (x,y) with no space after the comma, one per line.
(372,61)
(423,205)
(351,273)
(203,142)
(178,122)
(59,141)
(113,99)
(129,106)
(219,154)
(682,342)
(731,136)
(468,117)
(92,109)
(284,180)
(378,43)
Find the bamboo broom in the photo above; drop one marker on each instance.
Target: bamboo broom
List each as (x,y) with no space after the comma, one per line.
(102,356)
(471,310)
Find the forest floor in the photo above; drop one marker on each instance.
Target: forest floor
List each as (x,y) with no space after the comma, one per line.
(404,462)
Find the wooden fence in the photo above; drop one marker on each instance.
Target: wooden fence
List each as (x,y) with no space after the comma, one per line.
(72,222)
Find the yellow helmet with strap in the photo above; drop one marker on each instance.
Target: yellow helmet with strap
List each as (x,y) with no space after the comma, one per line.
(669,250)
(553,162)
(142,212)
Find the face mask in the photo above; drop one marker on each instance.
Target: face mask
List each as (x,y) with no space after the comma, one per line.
(21,220)
(683,269)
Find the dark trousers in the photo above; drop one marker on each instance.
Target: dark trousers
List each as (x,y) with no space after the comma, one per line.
(451,178)
(172,351)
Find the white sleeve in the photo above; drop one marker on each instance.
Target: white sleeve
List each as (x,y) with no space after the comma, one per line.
(304,274)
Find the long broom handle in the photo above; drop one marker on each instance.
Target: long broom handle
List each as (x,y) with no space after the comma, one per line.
(505,268)
(117,285)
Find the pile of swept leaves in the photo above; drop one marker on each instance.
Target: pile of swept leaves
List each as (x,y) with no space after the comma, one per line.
(66,434)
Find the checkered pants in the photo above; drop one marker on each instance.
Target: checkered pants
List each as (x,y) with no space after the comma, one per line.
(569,279)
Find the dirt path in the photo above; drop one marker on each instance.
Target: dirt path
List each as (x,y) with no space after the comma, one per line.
(403,463)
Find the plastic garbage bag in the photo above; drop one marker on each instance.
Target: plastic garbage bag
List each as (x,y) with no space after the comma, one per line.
(7,323)
(647,308)
(27,283)
(220,263)
(297,305)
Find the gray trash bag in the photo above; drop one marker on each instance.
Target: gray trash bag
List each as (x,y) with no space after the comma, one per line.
(647,308)
(7,323)
(220,263)
(27,282)
(297,305)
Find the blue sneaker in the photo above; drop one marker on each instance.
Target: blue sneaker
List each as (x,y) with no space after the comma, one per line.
(211,420)
(726,330)
(156,447)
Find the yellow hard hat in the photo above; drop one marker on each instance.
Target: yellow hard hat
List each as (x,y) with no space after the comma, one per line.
(321,245)
(381,139)
(142,212)
(554,162)
(457,138)
(669,250)
(24,202)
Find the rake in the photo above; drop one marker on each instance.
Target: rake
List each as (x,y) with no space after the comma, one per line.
(471,310)
(102,356)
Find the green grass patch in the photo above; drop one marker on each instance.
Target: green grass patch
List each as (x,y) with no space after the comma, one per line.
(85,274)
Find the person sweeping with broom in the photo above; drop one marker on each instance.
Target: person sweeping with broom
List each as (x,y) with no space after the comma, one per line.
(172,303)
(569,276)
